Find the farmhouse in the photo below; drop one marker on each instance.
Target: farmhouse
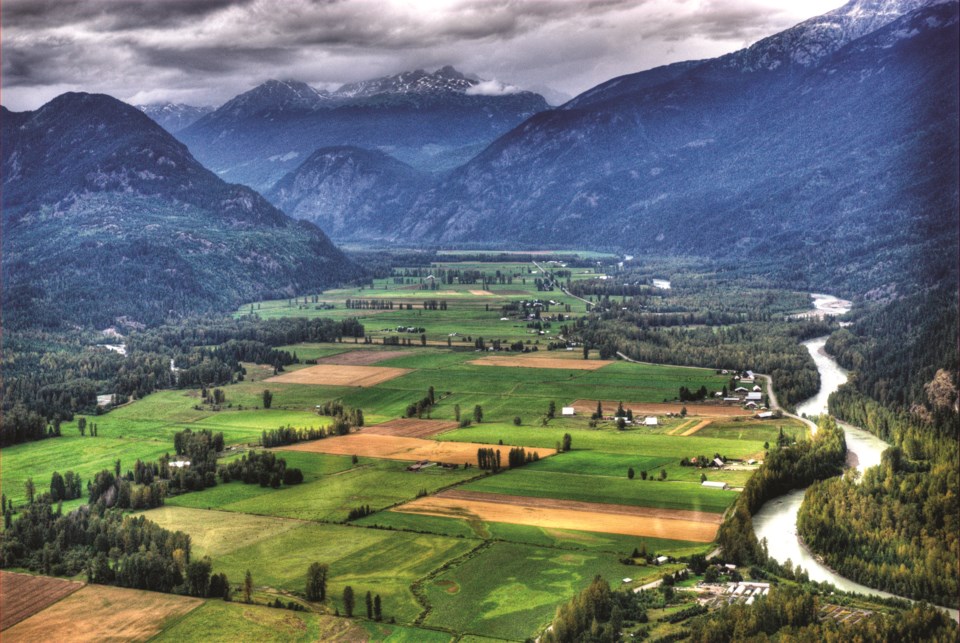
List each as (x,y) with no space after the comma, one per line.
(765,415)
(650,420)
(717,462)
(750,405)
(740,389)
(714,484)
(756,388)
(567,411)
(660,560)
(754,397)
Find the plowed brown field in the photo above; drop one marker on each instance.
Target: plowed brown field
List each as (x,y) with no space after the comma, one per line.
(393,447)
(102,613)
(659,408)
(568,514)
(411,428)
(337,375)
(524,361)
(22,595)
(361,357)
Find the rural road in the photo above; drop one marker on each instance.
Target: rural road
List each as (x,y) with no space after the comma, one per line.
(562,289)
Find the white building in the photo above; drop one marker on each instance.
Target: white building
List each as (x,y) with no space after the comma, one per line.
(650,420)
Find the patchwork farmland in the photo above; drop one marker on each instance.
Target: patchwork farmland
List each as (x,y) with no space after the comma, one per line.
(403,506)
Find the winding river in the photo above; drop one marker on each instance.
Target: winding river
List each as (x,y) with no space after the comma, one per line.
(777,519)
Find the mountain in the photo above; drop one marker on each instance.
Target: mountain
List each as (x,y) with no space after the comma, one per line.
(350,193)
(801,150)
(173,117)
(431,121)
(445,80)
(106,215)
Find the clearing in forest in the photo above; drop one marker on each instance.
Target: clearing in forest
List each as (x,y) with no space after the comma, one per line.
(663,408)
(393,447)
(411,428)
(102,613)
(691,526)
(338,375)
(361,357)
(23,595)
(525,361)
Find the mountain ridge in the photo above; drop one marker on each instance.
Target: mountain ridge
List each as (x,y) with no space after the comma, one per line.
(98,198)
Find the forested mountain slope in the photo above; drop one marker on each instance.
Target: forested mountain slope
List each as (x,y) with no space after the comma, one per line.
(106,215)
(802,150)
(432,121)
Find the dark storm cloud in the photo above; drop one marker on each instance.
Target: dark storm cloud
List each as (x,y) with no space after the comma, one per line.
(213,59)
(205,51)
(109,15)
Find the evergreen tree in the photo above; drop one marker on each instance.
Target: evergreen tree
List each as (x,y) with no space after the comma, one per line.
(316,589)
(348,601)
(248,587)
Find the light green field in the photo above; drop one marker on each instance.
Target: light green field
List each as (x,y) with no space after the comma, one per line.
(510,590)
(586,488)
(529,535)
(229,622)
(597,463)
(382,561)
(635,441)
(86,456)
(329,498)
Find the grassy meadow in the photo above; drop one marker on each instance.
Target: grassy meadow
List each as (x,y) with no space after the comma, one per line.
(462,578)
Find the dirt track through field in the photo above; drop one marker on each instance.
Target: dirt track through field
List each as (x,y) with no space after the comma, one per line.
(697,427)
(392,447)
(542,362)
(361,357)
(338,375)
(101,613)
(411,428)
(481,293)
(568,514)
(658,408)
(23,595)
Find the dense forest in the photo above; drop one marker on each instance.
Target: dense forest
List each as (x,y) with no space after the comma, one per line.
(715,321)
(110,547)
(783,469)
(897,529)
(791,614)
(50,377)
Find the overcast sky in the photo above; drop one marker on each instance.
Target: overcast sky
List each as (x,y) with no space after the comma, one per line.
(204,52)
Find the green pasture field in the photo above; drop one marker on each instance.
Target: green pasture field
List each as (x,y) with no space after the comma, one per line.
(509,590)
(632,441)
(467,317)
(616,465)
(758,430)
(83,455)
(329,498)
(528,535)
(281,549)
(228,622)
(530,482)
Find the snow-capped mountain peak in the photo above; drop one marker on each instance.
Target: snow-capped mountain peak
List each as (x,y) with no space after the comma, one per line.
(445,80)
(811,41)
